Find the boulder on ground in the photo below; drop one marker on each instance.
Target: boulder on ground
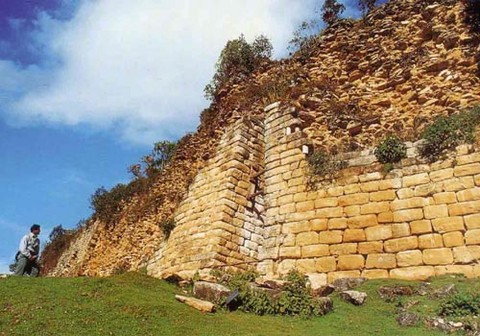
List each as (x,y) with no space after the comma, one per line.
(354,297)
(345,284)
(210,291)
(203,306)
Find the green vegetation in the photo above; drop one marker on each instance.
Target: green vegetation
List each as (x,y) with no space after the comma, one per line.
(238,58)
(321,164)
(448,132)
(331,11)
(167,227)
(134,304)
(461,305)
(390,150)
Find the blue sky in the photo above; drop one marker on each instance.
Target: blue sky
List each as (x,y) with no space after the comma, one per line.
(86,88)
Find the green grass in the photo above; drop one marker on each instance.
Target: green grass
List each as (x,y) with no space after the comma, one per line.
(134,304)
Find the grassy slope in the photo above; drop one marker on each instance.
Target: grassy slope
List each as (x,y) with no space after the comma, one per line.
(133,304)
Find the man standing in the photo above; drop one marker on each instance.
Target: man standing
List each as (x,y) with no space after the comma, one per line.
(28,252)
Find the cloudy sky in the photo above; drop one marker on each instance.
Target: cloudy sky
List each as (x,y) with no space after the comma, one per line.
(87,86)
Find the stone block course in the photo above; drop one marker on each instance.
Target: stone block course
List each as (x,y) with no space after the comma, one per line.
(401,244)
(409,258)
(379,232)
(428,241)
(441,256)
(448,224)
(382,261)
(421,226)
(370,247)
(454,238)
(418,273)
(350,262)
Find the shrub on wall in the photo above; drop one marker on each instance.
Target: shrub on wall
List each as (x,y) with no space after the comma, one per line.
(448,132)
(322,164)
(391,150)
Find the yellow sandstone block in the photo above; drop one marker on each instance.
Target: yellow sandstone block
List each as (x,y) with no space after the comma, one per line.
(436,211)
(405,193)
(350,262)
(471,194)
(440,256)
(400,230)
(318,224)
(409,203)
(379,232)
(369,186)
(440,175)
(332,276)
(307,238)
(353,235)
(454,238)
(290,252)
(351,189)
(401,244)
(464,208)
(409,258)
(370,247)
(385,195)
(472,221)
(353,199)
(474,251)
(385,217)
(330,237)
(352,210)
(330,212)
(296,227)
(428,241)
(415,180)
(462,255)
(318,250)
(337,223)
(306,266)
(448,224)
(305,206)
(413,273)
(468,169)
(345,248)
(455,269)
(375,208)
(421,226)
(363,221)
(375,274)
(445,198)
(326,264)
(384,260)
(326,202)
(407,215)
(472,237)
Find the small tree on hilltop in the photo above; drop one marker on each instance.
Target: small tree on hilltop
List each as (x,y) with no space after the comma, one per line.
(238,57)
(331,11)
(366,6)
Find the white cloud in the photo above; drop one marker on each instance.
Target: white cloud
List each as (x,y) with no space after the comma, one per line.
(139,67)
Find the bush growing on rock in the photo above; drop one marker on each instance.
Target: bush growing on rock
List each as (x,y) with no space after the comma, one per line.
(390,150)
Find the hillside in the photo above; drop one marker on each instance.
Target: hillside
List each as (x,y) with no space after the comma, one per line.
(394,72)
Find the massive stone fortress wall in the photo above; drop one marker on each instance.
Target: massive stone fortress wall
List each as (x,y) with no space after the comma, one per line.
(220,221)
(253,205)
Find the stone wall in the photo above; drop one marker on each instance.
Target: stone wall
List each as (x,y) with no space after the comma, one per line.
(416,221)
(220,220)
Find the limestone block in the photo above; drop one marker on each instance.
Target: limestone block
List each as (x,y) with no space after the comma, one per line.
(286,266)
(375,274)
(472,221)
(374,208)
(306,266)
(350,262)
(464,208)
(353,235)
(318,250)
(435,211)
(305,206)
(405,193)
(413,273)
(472,237)
(363,221)
(445,198)
(421,226)
(382,261)
(289,240)
(468,169)
(345,248)
(458,183)
(370,176)
(440,256)
(330,237)
(455,269)
(462,255)
(353,199)
(471,194)
(301,216)
(287,209)
(328,202)
(415,180)
(290,252)
(352,210)
(319,224)
(385,217)
(410,203)
(407,215)
(326,264)
(385,195)
(307,238)
(330,212)
(295,227)
(335,191)
(454,238)
(351,189)
(401,244)
(395,183)
(477,180)
(474,251)
(286,199)
(337,223)
(370,247)
(465,159)
(300,197)
(448,224)
(400,230)
(369,186)
(442,174)
(379,232)
(332,276)
(428,241)
(409,258)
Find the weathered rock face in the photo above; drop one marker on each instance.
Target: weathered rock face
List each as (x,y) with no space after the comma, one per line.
(239,188)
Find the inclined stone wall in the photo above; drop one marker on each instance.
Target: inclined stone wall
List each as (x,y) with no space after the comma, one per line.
(220,221)
(416,221)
